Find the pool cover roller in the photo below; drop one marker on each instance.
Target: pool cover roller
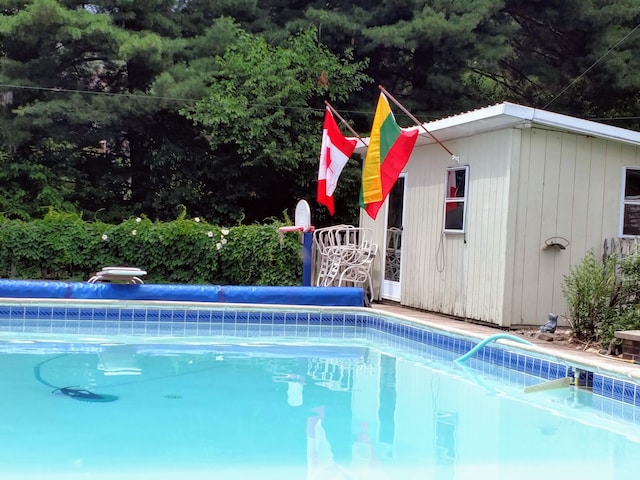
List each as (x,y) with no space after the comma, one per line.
(319,296)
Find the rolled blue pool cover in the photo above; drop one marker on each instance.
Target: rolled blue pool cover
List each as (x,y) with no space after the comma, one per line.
(320,296)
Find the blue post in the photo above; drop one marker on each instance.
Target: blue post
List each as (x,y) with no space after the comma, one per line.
(307,246)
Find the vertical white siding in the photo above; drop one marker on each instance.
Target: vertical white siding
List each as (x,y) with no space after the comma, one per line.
(568,186)
(525,186)
(487,221)
(517,218)
(460,275)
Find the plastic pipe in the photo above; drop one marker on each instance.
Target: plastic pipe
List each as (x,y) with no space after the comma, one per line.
(490,339)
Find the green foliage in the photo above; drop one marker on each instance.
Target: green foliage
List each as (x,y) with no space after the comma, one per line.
(62,246)
(589,289)
(602,297)
(31,182)
(80,75)
(263,117)
(257,256)
(252,77)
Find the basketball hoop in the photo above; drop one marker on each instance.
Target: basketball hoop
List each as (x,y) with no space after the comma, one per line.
(296,228)
(303,225)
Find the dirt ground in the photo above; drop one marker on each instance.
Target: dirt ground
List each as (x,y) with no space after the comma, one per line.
(561,338)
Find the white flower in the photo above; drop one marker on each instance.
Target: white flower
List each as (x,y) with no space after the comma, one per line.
(134,232)
(224,231)
(223,241)
(218,245)
(197,219)
(104,237)
(210,234)
(138,220)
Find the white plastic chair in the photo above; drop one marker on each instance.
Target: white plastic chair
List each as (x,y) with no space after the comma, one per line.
(344,255)
(356,269)
(323,240)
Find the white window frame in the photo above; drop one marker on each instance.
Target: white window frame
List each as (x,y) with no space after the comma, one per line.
(624,201)
(456,200)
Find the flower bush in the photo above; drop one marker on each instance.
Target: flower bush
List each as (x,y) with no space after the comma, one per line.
(63,246)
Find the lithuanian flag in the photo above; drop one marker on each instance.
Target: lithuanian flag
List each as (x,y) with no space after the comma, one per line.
(389,150)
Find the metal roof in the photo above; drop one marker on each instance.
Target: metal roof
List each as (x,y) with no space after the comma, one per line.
(508,115)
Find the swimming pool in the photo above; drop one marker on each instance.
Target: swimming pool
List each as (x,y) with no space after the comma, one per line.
(235,392)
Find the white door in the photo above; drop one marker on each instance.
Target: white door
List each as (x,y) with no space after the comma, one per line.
(390,288)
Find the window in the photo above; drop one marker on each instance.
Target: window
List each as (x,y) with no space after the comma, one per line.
(631,203)
(455,200)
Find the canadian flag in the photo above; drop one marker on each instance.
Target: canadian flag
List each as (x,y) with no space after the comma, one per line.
(335,152)
(452,188)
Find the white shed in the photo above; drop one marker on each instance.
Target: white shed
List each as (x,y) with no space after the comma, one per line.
(490,234)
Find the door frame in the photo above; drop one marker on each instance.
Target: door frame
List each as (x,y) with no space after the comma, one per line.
(391,290)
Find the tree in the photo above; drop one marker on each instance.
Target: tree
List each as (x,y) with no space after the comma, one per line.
(421,51)
(263,120)
(578,57)
(442,57)
(116,73)
(76,74)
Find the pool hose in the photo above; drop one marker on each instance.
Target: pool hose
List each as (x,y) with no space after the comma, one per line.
(490,339)
(74,392)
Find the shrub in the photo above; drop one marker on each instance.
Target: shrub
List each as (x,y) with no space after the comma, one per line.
(602,297)
(62,246)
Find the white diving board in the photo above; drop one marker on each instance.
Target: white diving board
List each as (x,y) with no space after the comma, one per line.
(123,274)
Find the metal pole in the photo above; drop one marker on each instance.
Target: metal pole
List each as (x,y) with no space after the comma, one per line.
(307,246)
(417,122)
(335,112)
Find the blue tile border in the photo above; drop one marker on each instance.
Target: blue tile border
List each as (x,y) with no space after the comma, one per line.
(164,321)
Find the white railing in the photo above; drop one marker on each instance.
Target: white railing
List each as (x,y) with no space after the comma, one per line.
(620,247)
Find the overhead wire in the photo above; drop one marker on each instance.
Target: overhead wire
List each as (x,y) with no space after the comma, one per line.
(188,100)
(159,97)
(191,100)
(95,92)
(577,79)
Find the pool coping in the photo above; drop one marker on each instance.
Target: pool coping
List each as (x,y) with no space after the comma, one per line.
(431,320)
(428,319)
(585,359)
(607,378)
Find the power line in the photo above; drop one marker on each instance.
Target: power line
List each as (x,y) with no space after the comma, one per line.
(356,112)
(95,92)
(156,97)
(605,119)
(593,65)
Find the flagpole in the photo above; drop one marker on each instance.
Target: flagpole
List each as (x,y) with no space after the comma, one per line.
(416,121)
(335,112)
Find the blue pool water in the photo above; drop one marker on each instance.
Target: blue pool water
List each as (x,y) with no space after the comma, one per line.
(348,402)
